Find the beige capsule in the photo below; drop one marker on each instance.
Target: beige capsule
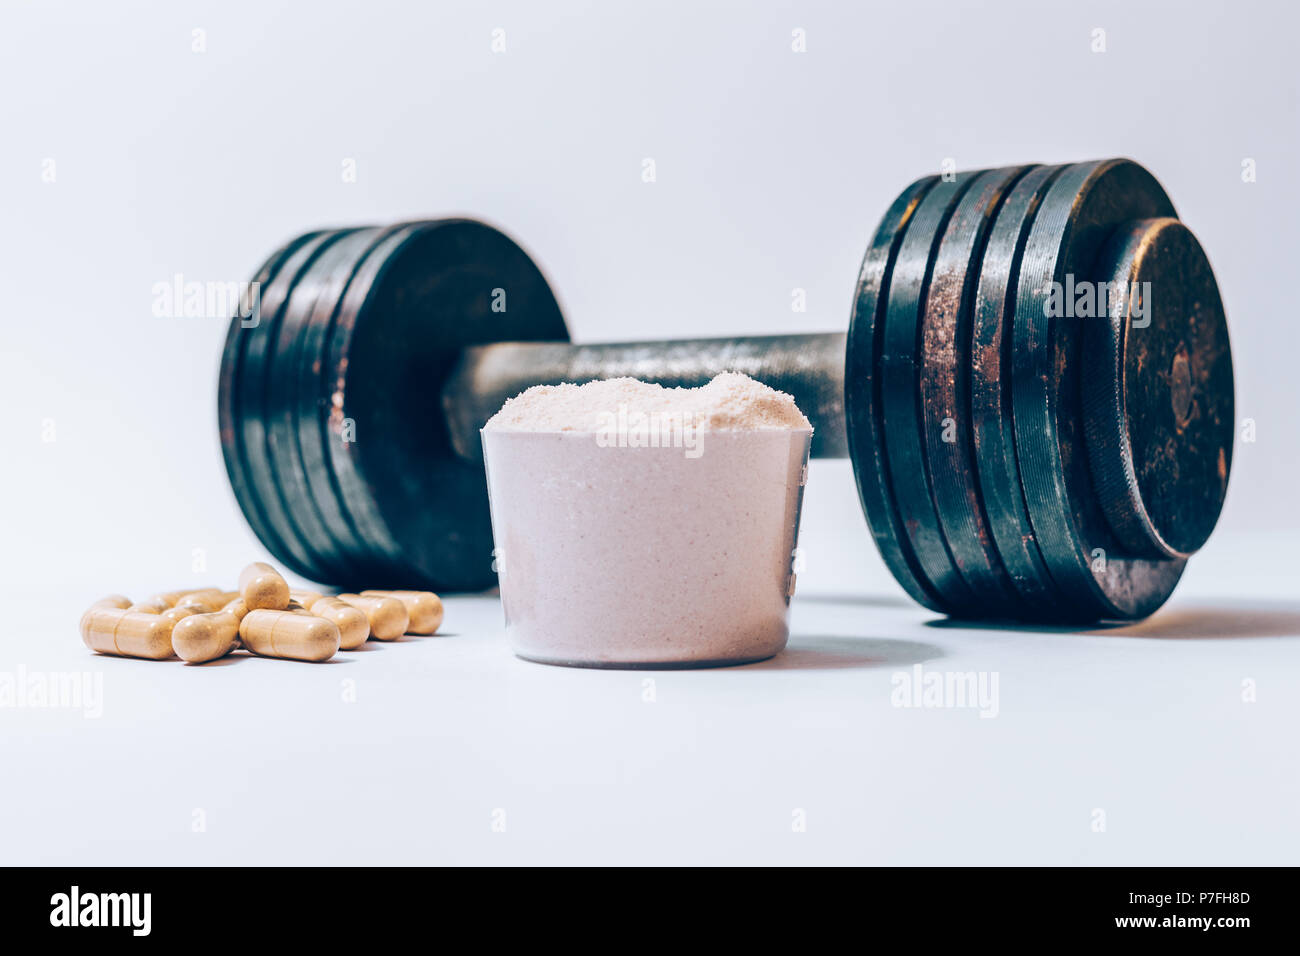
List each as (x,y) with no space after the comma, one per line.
(387,616)
(171,597)
(299,637)
(236,607)
(305,598)
(175,614)
(423,607)
(204,602)
(353,625)
(120,601)
(153,605)
(206,637)
(111,630)
(169,614)
(262,587)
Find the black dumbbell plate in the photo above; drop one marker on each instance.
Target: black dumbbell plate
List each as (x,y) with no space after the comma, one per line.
(1082,209)
(901,414)
(265,505)
(304,508)
(992,427)
(862,398)
(228,390)
(425,292)
(311,402)
(944,373)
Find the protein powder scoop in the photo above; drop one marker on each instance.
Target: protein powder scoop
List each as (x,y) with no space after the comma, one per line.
(642,526)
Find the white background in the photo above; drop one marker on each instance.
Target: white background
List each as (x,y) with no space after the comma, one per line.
(773,168)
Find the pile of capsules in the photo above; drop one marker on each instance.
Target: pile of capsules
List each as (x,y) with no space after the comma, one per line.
(265,616)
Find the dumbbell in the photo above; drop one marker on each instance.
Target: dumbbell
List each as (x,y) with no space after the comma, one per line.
(1017,455)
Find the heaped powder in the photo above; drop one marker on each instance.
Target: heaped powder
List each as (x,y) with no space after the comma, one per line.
(731,402)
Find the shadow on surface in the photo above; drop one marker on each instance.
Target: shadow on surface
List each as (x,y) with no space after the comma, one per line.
(235,657)
(856,600)
(1185,622)
(1206,622)
(239,656)
(413,638)
(830,652)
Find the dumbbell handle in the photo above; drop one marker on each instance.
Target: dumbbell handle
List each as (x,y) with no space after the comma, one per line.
(810,367)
